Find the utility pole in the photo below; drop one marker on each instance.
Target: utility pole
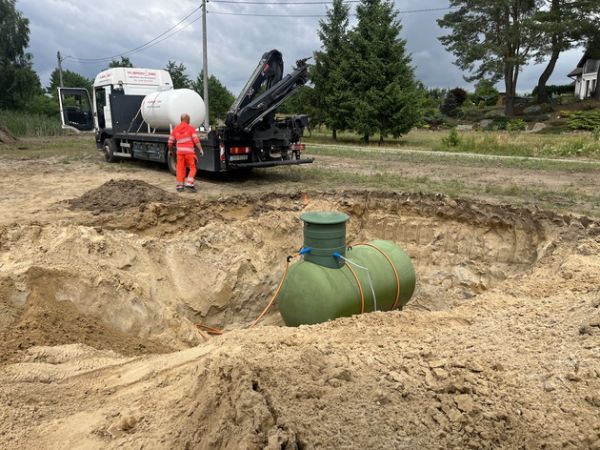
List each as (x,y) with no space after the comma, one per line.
(60,74)
(205,68)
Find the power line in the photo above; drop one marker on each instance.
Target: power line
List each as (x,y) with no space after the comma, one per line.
(264,15)
(251,2)
(149,44)
(408,11)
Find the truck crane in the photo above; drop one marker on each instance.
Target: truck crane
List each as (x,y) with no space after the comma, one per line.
(133,111)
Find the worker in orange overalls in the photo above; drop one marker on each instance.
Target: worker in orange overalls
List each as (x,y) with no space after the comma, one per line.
(186,138)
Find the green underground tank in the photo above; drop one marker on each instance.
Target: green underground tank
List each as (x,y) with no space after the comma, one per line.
(323,285)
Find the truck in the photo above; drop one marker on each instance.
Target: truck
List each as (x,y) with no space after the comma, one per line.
(133,110)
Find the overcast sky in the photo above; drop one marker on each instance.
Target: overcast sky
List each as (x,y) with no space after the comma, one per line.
(96,29)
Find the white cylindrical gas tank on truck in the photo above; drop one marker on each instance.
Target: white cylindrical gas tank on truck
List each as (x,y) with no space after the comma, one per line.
(162,109)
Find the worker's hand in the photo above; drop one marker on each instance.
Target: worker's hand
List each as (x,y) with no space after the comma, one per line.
(201,152)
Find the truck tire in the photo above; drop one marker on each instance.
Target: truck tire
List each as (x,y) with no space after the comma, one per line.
(110,147)
(172,162)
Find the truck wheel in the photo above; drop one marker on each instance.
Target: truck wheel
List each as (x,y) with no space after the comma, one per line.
(172,162)
(110,147)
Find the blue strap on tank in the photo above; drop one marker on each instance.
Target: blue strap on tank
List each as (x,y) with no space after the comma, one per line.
(304,250)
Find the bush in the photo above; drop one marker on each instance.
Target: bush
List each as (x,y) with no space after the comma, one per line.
(486,91)
(460,95)
(432,118)
(453,139)
(497,124)
(585,120)
(469,111)
(516,125)
(43,105)
(554,89)
(450,105)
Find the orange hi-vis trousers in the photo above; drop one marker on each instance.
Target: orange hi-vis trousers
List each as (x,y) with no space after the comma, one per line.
(184,161)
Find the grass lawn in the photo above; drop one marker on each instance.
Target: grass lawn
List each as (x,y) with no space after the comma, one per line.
(568,145)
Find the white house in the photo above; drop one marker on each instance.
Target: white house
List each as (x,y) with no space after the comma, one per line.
(585,76)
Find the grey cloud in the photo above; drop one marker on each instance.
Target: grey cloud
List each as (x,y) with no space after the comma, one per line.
(97,29)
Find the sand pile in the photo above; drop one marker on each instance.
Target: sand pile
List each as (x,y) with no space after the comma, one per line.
(116,195)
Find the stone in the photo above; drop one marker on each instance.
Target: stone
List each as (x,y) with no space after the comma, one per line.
(534,109)
(495,114)
(464,127)
(484,124)
(537,127)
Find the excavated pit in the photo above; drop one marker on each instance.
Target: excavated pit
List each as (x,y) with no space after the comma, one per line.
(135,273)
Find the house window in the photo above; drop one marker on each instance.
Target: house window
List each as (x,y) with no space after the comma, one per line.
(587,88)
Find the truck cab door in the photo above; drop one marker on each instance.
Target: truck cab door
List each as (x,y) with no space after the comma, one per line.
(75,109)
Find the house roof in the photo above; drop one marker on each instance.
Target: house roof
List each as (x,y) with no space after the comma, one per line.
(575,72)
(579,69)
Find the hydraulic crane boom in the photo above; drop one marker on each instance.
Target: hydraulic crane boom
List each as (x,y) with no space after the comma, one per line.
(251,107)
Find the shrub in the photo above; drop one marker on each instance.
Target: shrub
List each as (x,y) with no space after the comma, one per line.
(553,90)
(516,125)
(497,124)
(486,91)
(452,140)
(432,118)
(460,95)
(450,105)
(585,120)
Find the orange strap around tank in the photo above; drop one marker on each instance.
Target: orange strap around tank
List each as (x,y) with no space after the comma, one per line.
(393,268)
(360,289)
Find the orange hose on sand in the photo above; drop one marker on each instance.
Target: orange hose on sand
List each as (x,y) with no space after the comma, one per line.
(210,330)
(270,304)
(393,268)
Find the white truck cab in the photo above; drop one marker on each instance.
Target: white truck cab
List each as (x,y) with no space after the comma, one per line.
(81,114)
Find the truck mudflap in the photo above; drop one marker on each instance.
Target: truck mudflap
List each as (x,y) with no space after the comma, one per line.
(288,162)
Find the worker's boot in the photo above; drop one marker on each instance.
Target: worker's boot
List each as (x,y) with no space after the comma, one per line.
(180,188)
(190,188)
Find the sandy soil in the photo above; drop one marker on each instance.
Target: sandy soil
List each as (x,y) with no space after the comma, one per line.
(102,284)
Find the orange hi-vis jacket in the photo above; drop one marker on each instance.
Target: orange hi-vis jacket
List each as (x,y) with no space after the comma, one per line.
(186,137)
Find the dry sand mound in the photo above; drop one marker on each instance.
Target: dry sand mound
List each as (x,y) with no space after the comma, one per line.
(116,195)
(45,320)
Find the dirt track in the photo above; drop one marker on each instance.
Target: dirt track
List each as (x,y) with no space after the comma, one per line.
(498,349)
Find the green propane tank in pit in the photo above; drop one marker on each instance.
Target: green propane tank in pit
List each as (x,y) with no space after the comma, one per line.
(323,287)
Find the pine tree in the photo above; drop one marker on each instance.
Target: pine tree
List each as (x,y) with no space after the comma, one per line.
(385,98)
(330,89)
(492,39)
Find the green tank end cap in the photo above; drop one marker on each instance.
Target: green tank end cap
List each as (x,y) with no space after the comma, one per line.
(324,217)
